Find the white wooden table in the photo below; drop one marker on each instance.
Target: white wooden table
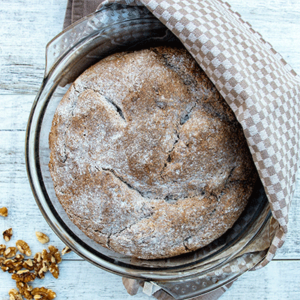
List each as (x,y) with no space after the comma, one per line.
(26,26)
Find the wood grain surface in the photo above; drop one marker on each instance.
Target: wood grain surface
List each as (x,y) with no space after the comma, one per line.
(26,27)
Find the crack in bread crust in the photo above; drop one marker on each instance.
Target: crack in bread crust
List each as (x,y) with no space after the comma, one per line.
(122,180)
(147,158)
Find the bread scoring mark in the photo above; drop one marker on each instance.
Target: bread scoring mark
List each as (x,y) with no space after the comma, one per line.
(169,158)
(185,118)
(116,234)
(177,138)
(116,107)
(111,171)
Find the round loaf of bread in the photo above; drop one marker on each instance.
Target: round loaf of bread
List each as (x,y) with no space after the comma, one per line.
(147,159)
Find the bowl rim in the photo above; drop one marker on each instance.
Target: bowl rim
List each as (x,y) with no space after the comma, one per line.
(34,175)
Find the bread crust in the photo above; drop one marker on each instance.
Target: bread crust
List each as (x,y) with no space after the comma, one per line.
(147,159)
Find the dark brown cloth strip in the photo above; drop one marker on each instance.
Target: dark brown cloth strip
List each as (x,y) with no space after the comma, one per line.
(77,9)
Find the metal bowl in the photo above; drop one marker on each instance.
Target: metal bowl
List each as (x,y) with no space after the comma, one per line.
(112,29)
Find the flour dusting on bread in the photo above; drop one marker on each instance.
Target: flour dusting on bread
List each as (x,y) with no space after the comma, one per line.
(147,158)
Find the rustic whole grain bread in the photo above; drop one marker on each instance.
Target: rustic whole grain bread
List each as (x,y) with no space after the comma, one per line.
(147,158)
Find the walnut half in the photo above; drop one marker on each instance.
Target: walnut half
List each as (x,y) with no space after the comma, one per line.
(13,265)
(53,256)
(23,276)
(14,295)
(10,252)
(28,265)
(43,294)
(42,237)
(25,289)
(55,253)
(23,247)
(3,212)
(54,270)
(2,249)
(7,234)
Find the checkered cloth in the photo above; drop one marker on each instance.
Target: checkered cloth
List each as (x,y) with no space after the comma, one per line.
(260,87)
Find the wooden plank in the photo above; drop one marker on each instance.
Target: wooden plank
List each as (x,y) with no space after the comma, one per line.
(277,281)
(291,248)
(77,280)
(278,22)
(81,280)
(27,26)
(15,111)
(24,215)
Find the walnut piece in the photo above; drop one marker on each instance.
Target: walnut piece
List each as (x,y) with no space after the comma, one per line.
(14,295)
(37,257)
(24,276)
(53,256)
(10,252)
(66,250)
(54,270)
(28,264)
(24,289)
(42,270)
(25,271)
(23,247)
(2,249)
(13,265)
(40,267)
(50,261)
(3,212)
(7,234)
(43,294)
(42,237)
(7,265)
(54,252)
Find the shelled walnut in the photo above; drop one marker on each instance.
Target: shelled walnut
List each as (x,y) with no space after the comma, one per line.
(42,237)
(14,295)
(51,259)
(13,265)
(66,250)
(43,293)
(43,270)
(23,247)
(26,270)
(2,249)
(10,252)
(25,289)
(3,212)
(7,234)
(24,276)
(40,267)
(28,265)
(54,270)
(55,253)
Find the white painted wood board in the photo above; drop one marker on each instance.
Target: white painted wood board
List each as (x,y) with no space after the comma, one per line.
(26,27)
(89,282)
